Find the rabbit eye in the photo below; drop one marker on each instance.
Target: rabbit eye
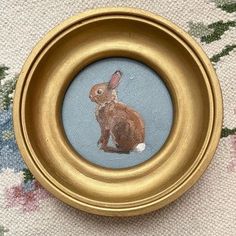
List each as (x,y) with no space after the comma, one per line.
(99,91)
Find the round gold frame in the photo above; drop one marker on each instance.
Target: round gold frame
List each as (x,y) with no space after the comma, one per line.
(139,35)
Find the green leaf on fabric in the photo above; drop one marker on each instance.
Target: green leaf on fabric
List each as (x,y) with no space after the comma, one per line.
(3,72)
(7,87)
(219,28)
(226,132)
(199,30)
(212,32)
(224,52)
(226,5)
(230,8)
(3,230)
(27,175)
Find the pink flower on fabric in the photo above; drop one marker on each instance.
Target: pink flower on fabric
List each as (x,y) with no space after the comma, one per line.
(232,165)
(26,195)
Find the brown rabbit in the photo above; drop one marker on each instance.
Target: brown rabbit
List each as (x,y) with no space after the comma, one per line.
(122,123)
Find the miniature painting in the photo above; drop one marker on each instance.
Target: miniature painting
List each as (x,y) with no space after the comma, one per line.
(117,113)
(117,120)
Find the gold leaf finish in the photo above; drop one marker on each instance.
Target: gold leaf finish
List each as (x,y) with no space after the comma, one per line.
(117,32)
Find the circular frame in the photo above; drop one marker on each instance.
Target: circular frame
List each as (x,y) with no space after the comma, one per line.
(139,35)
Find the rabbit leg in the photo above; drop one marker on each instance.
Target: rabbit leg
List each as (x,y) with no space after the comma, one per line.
(103,140)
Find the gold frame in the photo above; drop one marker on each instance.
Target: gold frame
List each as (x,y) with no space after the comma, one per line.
(139,35)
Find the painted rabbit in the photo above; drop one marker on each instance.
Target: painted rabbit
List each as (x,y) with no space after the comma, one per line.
(123,124)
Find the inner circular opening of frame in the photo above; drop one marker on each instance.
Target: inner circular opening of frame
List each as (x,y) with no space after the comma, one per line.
(117,113)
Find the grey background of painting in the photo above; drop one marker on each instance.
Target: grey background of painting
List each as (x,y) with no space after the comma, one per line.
(140,88)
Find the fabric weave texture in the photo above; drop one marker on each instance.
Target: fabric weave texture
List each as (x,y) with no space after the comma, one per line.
(208,208)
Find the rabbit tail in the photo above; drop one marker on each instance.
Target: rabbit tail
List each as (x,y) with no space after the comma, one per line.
(140,147)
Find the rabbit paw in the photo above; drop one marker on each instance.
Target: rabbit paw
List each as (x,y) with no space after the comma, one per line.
(100,143)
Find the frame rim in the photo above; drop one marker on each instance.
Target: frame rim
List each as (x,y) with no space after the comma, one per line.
(190,180)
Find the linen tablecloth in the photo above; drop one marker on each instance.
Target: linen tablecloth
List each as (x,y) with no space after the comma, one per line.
(208,208)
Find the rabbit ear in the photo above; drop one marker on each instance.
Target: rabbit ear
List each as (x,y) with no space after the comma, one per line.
(115,80)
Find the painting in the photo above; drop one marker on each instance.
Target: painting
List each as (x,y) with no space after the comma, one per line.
(117,113)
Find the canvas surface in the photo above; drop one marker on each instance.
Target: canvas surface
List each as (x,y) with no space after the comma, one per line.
(208,208)
(138,88)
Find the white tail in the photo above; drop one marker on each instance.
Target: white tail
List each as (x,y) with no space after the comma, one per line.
(140,147)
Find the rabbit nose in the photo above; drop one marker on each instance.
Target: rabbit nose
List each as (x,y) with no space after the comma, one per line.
(90,96)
